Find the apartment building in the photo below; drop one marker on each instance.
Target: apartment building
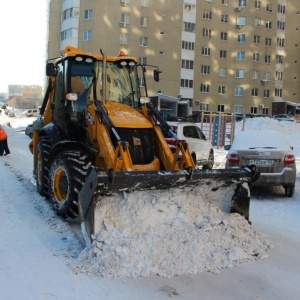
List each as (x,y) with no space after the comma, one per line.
(222,55)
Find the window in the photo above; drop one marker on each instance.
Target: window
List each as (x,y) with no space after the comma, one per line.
(278,92)
(187,64)
(257,22)
(238,109)
(88,14)
(204,88)
(278,75)
(268,59)
(281,9)
(222,72)
(256,56)
(254,92)
(143,41)
(253,109)
(205,51)
(87,35)
(124,38)
(66,14)
(257,4)
(125,19)
(221,107)
(255,74)
(222,89)
(241,21)
(267,76)
(269,7)
(186,83)
(144,21)
(188,45)
(281,25)
(224,18)
(66,34)
(145,3)
(223,53)
(224,36)
(269,25)
(256,39)
(225,2)
(266,93)
(280,42)
(242,3)
(189,27)
(205,70)
(142,60)
(189,8)
(279,59)
(203,107)
(268,42)
(241,38)
(206,32)
(239,73)
(239,91)
(207,14)
(240,55)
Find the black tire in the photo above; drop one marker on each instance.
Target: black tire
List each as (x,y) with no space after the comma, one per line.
(41,168)
(67,175)
(211,161)
(289,191)
(31,135)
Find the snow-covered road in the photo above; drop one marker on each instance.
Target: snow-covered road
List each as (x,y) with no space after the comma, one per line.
(36,248)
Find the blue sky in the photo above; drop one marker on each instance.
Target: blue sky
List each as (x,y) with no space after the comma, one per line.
(23,31)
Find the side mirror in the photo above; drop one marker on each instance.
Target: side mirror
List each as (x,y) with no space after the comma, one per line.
(227,147)
(51,69)
(156,75)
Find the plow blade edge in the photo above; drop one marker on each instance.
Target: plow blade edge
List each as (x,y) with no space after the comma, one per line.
(227,189)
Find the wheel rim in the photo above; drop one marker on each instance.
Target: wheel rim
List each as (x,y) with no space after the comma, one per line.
(211,160)
(60,185)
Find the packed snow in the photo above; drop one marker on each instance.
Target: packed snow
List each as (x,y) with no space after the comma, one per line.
(35,241)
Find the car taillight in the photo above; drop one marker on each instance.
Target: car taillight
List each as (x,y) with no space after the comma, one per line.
(233,158)
(289,159)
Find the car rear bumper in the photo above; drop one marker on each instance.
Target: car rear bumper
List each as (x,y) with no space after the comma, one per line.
(286,177)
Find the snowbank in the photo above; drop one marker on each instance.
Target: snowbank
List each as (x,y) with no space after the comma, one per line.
(168,233)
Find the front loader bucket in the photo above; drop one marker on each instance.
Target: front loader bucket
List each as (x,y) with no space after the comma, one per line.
(226,189)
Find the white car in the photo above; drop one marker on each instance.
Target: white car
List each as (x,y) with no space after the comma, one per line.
(271,152)
(284,117)
(201,148)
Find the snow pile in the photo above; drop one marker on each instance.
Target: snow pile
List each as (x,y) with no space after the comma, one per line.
(168,233)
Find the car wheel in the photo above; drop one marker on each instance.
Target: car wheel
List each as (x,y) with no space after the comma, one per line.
(211,161)
(289,191)
(31,135)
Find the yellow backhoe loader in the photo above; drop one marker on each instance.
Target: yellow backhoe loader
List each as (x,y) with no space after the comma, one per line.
(98,135)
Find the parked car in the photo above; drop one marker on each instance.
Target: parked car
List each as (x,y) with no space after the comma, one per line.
(29,130)
(284,117)
(32,113)
(270,151)
(201,149)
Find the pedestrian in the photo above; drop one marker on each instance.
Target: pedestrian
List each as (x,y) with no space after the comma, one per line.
(3,142)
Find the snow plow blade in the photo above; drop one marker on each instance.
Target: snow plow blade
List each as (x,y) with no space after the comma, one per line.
(227,189)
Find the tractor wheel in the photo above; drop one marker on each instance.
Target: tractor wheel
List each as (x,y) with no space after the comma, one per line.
(66,177)
(211,161)
(41,169)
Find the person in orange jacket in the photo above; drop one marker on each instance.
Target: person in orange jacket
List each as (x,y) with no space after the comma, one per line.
(3,142)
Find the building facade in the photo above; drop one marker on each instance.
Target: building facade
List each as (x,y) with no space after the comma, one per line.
(231,56)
